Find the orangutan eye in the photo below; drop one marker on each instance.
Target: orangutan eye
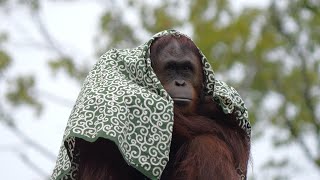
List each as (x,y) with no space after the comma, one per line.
(171,66)
(187,67)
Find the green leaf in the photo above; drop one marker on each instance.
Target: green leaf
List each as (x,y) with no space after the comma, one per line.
(64,63)
(22,92)
(5,61)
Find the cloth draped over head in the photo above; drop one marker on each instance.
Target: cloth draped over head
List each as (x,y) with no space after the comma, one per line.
(122,100)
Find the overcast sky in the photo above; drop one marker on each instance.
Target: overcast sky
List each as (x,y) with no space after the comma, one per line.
(74,26)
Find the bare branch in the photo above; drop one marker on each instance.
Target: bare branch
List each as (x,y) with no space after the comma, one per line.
(9,123)
(56,99)
(300,141)
(25,159)
(45,33)
(27,140)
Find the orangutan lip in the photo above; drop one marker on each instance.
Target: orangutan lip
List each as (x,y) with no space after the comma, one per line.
(181,99)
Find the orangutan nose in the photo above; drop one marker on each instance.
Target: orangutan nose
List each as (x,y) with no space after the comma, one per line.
(180,82)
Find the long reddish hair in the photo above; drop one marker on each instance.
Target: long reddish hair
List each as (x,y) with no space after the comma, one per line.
(204,148)
(201,148)
(186,44)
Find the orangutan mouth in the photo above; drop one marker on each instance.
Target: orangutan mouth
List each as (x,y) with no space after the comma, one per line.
(181,101)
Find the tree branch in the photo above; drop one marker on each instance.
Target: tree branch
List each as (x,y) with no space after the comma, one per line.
(25,159)
(45,33)
(61,101)
(303,145)
(298,52)
(9,123)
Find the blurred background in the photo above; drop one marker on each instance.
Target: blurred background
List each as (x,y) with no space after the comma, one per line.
(268,50)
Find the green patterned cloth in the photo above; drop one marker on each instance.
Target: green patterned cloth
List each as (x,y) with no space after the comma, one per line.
(122,100)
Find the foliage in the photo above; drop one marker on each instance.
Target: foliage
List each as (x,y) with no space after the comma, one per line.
(276,48)
(4,60)
(69,67)
(21,93)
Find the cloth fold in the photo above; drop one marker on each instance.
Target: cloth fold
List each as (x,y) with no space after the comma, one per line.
(122,100)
